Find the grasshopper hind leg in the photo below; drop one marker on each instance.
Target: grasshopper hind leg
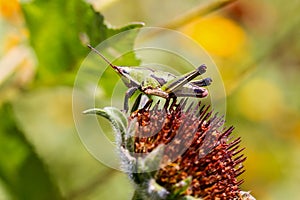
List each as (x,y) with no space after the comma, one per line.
(202,82)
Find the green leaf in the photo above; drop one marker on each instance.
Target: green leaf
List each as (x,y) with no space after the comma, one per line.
(182,186)
(23,173)
(129,137)
(128,163)
(148,165)
(150,190)
(116,117)
(56,29)
(151,162)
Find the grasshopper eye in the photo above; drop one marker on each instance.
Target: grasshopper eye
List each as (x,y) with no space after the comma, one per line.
(123,71)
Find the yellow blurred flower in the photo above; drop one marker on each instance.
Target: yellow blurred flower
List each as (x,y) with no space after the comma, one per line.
(260,100)
(9,9)
(295,132)
(14,38)
(11,41)
(218,35)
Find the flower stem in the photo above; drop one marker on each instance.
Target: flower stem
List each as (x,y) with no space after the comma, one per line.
(199,11)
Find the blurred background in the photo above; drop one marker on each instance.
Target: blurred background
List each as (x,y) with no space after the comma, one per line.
(255,45)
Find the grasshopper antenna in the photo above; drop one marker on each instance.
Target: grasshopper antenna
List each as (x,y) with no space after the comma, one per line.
(102,56)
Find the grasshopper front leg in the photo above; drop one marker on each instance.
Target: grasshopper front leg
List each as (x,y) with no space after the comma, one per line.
(128,94)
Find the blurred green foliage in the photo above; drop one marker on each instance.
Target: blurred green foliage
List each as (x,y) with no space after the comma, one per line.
(55,28)
(57,33)
(24,170)
(41,156)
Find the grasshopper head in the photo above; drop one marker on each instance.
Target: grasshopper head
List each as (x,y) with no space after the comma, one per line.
(125,74)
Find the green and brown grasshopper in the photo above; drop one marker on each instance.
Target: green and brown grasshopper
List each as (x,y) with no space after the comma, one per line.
(159,83)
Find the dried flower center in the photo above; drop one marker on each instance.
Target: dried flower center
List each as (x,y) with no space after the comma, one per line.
(194,147)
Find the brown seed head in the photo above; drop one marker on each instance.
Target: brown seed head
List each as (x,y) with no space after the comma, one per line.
(196,146)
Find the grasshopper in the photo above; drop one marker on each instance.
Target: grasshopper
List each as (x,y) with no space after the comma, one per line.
(159,83)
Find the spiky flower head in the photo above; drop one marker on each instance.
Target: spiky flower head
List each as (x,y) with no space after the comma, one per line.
(178,152)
